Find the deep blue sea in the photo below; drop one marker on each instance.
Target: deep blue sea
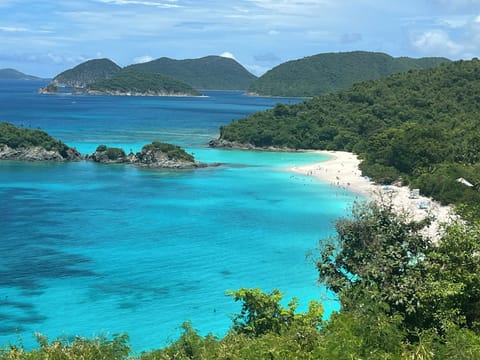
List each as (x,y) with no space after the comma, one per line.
(90,249)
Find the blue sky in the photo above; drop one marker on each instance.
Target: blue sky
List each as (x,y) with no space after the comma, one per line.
(45,37)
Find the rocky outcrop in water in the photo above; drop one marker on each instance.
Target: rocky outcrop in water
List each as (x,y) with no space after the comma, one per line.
(155,156)
(37,153)
(17,143)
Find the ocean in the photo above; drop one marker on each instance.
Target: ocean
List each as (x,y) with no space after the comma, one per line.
(90,249)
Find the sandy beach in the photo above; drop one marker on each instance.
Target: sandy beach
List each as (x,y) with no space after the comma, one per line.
(342,171)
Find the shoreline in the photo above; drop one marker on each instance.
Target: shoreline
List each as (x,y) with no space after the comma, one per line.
(342,171)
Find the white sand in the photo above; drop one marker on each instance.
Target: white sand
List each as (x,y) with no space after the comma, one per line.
(342,171)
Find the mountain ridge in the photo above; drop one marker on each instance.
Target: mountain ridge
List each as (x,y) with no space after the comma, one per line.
(328,72)
(207,73)
(13,74)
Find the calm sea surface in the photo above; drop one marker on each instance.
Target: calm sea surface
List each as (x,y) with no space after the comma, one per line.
(87,249)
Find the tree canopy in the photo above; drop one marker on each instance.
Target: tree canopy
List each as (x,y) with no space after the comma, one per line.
(142,83)
(17,137)
(209,72)
(329,72)
(86,73)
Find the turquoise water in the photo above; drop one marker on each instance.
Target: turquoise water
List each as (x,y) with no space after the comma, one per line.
(90,249)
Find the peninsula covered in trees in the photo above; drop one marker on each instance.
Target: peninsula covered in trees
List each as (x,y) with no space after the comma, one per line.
(419,127)
(140,84)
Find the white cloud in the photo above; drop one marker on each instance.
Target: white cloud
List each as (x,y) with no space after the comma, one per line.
(453,22)
(228,55)
(461,41)
(457,4)
(142,59)
(162,4)
(435,42)
(65,59)
(12,29)
(291,6)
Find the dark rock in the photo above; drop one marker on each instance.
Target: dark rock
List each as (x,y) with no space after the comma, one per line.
(106,155)
(159,160)
(149,157)
(37,153)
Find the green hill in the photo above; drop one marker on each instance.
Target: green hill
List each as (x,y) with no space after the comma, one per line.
(86,73)
(325,73)
(422,127)
(210,72)
(140,83)
(12,74)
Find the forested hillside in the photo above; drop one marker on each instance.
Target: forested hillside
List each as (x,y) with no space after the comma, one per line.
(421,127)
(325,73)
(210,72)
(86,73)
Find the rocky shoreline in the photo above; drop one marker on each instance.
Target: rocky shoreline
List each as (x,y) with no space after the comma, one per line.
(77,91)
(150,157)
(235,145)
(37,153)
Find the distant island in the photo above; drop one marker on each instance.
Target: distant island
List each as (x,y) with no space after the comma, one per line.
(12,74)
(161,77)
(86,73)
(329,72)
(33,145)
(311,76)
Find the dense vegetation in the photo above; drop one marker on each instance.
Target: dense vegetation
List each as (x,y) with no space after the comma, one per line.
(12,74)
(142,83)
(421,127)
(210,72)
(402,297)
(173,152)
(86,73)
(112,153)
(15,138)
(135,82)
(325,73)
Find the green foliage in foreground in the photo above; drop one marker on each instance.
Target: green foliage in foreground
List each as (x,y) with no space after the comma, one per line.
(143,83)
(173,152)
(99,348)
(420,127)
(15,137)
(402,297)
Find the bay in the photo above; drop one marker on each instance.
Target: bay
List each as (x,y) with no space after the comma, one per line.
(90,249)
